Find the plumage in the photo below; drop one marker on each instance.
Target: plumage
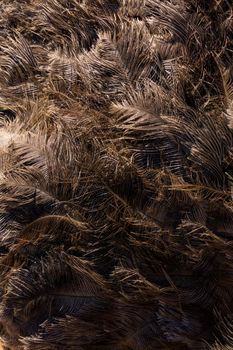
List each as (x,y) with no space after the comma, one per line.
(116,170)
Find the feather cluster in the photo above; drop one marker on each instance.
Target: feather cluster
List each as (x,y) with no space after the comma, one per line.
(116,170)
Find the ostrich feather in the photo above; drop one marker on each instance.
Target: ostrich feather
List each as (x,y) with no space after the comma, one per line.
(116,169)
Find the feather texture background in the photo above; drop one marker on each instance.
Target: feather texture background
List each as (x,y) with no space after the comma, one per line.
(116,169)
